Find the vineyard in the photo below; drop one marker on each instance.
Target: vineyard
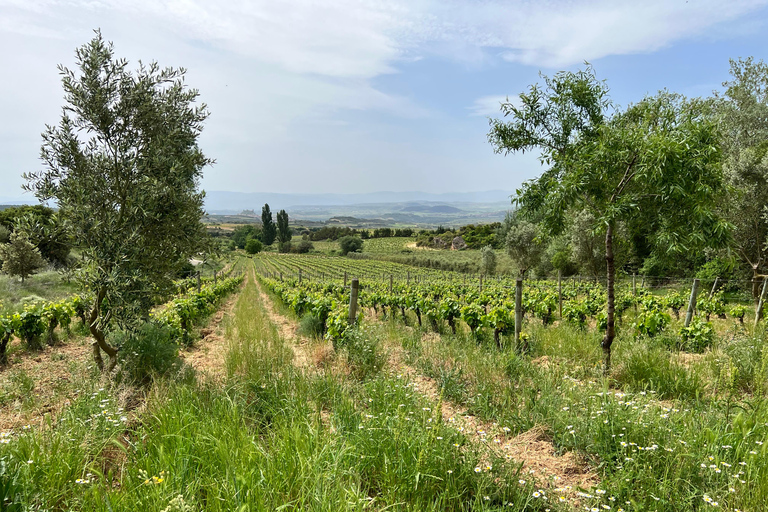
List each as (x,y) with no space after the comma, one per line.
(318,286)
(44,322)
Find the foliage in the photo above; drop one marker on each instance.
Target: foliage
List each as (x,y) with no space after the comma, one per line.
(651,322)
(48,233)
(20,257)
(642,165)
(349,244)
(524,244)
(698,336)
(284,233)
(738,311)
(302,247)
(242,234)
(268,228)
(5,236)
(147,351)
(135,214)
(744,111)
(488,260)
(253,246)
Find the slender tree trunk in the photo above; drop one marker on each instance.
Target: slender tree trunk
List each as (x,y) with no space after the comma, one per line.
(100,340)
(610,331)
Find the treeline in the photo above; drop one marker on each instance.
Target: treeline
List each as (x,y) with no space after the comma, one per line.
(336,232)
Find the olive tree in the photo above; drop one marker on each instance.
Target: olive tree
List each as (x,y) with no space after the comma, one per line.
(123,166)
(744,110)
(488,260)
(659,158)
(20,257)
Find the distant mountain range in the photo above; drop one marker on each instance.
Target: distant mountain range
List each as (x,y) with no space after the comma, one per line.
(228,202)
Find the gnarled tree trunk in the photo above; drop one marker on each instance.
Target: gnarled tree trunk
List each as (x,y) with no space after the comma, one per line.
(100,340)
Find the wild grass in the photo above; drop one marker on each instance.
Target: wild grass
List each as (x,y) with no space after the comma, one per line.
(664,431)
(271,437)
(48,285)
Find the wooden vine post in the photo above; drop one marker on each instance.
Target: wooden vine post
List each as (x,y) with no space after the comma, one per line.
(759,310)
(299,276)
(198,282)
(353,301)
(518,309)
(391,279)
(560,293)
(714,287)
(692,303)
(345,279)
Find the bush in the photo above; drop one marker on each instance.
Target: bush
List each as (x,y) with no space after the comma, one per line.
(284,247)
(349,244)
(253,246)
(147,352)
(303,247)
(697,336)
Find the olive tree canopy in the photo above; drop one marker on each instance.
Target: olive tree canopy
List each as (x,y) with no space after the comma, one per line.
(123,166)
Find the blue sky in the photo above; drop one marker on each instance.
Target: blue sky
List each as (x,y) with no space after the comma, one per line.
(359,95)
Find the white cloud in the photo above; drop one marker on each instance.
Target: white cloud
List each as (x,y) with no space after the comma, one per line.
(491,105)
(557,34)
(277,73)
(367,38)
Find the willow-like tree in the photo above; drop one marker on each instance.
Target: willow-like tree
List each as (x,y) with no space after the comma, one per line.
(658,160)
(123,166)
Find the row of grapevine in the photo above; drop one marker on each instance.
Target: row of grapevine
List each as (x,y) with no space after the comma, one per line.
(492,307)
(36,322)
(187,309)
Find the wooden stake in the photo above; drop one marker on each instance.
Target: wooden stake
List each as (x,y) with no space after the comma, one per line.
(714,287)
(353,301)
(692,302)
(759,310)
(560,293)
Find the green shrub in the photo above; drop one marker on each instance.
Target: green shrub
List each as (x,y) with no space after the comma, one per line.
(349,244)
(697,336)
(147,352)
(302,247)
(738,311)
(650,323)
(253,246)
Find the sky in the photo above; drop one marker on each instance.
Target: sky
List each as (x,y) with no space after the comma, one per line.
(355,96)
